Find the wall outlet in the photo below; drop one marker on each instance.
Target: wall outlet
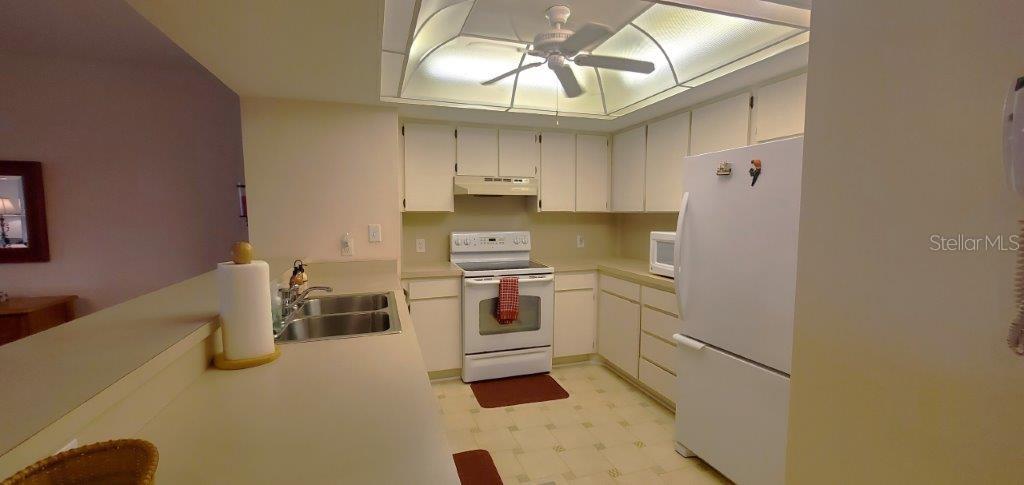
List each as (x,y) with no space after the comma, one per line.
(346,244)
(374,233)
(579,241)
(71,444)
(421,245)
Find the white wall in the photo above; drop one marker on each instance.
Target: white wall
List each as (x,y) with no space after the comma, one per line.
(316,170)
(901,371)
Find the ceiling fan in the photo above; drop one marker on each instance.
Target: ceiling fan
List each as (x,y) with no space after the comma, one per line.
(560,46)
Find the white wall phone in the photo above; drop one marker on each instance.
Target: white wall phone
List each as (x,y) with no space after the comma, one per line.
(1013,160)
(1013,136)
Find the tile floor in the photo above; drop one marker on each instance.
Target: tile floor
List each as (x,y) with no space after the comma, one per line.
(606,432)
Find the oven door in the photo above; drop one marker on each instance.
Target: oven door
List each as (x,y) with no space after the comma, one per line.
(481,330)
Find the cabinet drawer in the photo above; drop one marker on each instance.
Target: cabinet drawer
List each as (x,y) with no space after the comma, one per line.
(660,324)
(656,378)
(421,289)
(662,300)
(657,351)
(575,281)
(619,287)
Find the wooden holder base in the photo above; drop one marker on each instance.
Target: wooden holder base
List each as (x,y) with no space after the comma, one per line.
(221,362)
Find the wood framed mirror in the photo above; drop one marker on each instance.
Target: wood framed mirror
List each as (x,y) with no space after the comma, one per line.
(23,236)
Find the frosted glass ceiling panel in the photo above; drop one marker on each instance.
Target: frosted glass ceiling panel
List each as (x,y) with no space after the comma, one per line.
(643,103)
(754,58)
(438,29)
(698,42)
(455,70)
(538,88)
(623,88)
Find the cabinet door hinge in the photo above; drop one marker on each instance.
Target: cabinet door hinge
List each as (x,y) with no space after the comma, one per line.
(751,102)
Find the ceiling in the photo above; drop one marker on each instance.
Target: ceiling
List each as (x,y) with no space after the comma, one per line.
(324,50)
(94,30)
(330,50)
(457,44)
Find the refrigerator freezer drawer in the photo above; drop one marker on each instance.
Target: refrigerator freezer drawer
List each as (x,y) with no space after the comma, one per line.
(733,414)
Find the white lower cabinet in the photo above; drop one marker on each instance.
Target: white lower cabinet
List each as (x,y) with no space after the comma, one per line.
(575,314)
(658,379)
(436,309)
(618,332)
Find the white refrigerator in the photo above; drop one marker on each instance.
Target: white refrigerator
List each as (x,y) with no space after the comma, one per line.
(736,283)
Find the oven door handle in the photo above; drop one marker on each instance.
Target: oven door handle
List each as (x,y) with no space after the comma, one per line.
(521,280)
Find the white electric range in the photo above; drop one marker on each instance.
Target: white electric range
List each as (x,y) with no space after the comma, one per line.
(491,349)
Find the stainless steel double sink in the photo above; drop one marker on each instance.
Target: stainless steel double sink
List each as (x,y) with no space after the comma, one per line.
(342,316)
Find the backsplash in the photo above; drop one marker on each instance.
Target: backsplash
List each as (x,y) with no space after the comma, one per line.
(634,232)
(554,233)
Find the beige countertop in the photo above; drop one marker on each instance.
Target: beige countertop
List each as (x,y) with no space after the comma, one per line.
(636,270)
(48,375)
(443,269)
(355,410)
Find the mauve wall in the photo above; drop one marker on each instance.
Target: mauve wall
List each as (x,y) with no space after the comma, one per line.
(140,166)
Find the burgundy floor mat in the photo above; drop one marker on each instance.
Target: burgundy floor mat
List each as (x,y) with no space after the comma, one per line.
(517,390)
(476,467)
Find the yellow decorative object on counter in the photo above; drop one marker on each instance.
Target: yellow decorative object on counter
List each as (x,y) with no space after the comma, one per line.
(247,328)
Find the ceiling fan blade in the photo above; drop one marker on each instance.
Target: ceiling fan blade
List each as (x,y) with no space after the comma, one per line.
(616,63)
(507,74)
(568,79)
(587,35)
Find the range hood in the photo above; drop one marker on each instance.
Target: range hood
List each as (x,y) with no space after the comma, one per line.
(488,185)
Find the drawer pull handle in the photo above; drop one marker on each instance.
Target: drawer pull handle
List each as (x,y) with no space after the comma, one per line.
(688,342)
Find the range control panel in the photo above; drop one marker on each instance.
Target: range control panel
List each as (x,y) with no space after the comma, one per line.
(503,241)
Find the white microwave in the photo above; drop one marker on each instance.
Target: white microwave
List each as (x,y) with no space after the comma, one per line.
(663,250)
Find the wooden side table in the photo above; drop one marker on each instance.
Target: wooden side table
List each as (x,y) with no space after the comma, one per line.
(21,317)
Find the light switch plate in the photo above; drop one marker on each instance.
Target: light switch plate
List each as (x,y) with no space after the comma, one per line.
(374,233)
(579,240)
(421,245)
(346,244)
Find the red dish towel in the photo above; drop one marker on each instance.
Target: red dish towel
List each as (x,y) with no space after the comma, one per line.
(508,300)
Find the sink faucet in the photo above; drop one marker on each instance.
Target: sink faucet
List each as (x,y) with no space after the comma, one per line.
(292,298)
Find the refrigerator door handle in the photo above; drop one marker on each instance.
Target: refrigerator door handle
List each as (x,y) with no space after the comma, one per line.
(677,256)
(689,342)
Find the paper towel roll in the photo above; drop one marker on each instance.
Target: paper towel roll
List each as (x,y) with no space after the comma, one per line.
(246,324)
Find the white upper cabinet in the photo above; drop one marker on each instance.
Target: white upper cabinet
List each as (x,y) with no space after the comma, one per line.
(429,167)
(592,168)
(721,126)
(668,141)
(477,151)
(518,153)
(629,151)
(557,172)
(779,109)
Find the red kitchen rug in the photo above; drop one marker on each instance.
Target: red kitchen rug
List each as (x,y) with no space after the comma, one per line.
(517,390)
(476,467)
